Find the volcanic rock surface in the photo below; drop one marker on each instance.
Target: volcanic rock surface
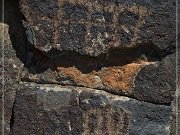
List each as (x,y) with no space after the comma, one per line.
(88,67)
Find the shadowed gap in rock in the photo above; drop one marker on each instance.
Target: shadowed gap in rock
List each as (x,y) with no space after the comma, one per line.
(13,18)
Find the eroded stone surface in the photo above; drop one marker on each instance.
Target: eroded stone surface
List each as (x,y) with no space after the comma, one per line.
(54,109)
(93,27)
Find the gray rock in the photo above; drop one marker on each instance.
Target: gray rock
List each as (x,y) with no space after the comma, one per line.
(53,109)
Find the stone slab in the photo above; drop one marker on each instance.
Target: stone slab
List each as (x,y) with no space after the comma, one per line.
(54,109)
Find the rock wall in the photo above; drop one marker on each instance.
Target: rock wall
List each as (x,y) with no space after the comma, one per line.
(91,67)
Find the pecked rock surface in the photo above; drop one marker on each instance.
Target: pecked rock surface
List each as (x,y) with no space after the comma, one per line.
(95,27)
(58,110)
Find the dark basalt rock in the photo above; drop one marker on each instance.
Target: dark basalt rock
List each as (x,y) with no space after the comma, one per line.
(94,27)
(157,83)
(128,18)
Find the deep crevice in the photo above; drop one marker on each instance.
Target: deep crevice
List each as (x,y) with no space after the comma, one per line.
(12,116)
(86,64)
(13,18)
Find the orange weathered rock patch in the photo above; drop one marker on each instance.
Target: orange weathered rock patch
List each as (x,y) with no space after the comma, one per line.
(78,76)
(118,78)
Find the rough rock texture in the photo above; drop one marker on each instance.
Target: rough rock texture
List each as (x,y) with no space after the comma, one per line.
(157,82)
(58,110)
(91,67)
(93,27)
(12,68)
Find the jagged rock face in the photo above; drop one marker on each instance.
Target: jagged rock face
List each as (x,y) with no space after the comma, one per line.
(93,27)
